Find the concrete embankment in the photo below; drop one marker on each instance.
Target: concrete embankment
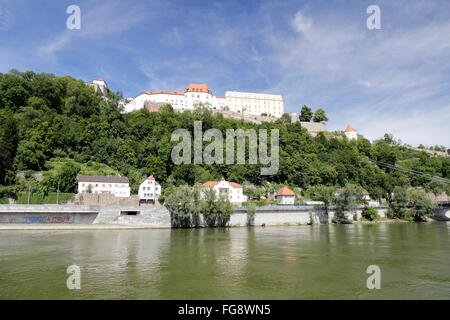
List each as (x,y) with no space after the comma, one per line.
(73,215)
(42,217)
(293,215)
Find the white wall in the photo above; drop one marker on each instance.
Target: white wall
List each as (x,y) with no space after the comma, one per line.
(247,102)
(351,135)
(255,103)
(149,190)
(117,189)
(235,195)
(286,199)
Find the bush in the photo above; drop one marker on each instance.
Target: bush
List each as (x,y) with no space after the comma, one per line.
(185,208)
(179,203)
(412,205)
(251,210)
(370,214)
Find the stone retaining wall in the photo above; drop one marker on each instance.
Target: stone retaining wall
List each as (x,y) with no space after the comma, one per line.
(105,199)
(155,216)
(292,215)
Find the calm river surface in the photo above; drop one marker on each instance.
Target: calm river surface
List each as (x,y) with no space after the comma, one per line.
(305,262)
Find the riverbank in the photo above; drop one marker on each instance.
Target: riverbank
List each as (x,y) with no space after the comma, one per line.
(66,217)
(36,227)
(11,227)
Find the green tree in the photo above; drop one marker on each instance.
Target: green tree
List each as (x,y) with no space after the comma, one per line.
(421,206)
(306,114)
(67,177)
(180,205)
(209,207)
(323,193)
(286,118)
(8,146)
(347,199)
(370,214)
(410,204)
(320,116)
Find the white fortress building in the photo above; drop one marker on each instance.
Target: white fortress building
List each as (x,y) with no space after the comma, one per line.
(99,85)
(199,94)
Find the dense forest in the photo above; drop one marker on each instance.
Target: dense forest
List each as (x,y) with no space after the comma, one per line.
(45,118)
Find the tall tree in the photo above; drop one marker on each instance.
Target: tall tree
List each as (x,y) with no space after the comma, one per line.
(306,114)
(320,116)
(8,145)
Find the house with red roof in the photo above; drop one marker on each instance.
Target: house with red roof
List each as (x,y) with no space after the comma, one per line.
(350,133)
(231,190)
(285,196)
(149,190)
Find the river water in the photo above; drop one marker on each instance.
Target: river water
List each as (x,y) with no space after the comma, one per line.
(304,262)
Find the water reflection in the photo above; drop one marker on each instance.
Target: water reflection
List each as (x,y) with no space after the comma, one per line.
(307,262)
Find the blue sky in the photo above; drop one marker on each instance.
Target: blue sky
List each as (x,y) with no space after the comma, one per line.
(318,53)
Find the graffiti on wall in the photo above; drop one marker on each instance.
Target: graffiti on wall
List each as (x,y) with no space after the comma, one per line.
(48,219)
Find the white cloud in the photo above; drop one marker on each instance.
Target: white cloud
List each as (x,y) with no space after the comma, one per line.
(391,80)
(98,22)
(301,23)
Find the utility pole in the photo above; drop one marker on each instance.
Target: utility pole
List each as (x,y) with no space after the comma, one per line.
(57,195)
(29,187)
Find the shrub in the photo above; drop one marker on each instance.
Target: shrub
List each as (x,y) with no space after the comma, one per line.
(185,207)
(251,210)
(370,214)
(413,205)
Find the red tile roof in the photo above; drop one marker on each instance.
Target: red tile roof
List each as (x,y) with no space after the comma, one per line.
(210,183)
(197,87)
(285,191)
(235,185)
(213,183)
(365,192)
(349,128)
(150,178)
(164,92)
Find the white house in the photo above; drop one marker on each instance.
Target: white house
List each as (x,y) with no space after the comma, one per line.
(366,195)
(232,190)
(286,196)
(115,185)
(370,201)
(149,189)
(350,133)
(242,102)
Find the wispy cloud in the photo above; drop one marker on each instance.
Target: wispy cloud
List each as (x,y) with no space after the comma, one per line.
(380,81)
(98,22)
(318,53)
